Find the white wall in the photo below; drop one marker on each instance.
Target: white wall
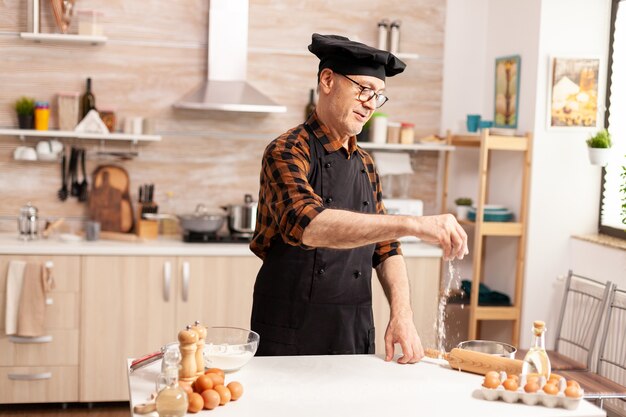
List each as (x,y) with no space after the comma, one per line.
(564,186)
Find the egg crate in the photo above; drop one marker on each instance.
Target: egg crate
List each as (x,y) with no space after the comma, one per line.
(536,398)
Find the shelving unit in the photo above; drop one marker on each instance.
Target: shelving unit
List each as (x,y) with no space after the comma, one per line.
(63,38)
(486,143)
(66,134)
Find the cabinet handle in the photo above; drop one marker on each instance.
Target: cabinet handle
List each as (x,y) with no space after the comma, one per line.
(186,274)
(167,280)
(30,377)
(40,339)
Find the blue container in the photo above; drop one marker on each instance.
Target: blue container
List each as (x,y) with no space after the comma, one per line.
(473,121)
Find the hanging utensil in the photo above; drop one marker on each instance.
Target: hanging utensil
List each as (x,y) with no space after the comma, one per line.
(62,193)
(84,186)
(75,187)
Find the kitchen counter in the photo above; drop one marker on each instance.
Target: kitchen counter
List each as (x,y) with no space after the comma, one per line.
(359,385)
(10,244)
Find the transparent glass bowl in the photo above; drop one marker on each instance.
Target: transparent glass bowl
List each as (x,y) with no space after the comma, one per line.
(229,348)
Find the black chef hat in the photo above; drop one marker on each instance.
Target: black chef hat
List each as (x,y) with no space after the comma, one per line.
(344,56)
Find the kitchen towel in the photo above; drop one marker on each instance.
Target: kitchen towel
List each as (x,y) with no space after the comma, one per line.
(31,314)
(389,163)
(15,277)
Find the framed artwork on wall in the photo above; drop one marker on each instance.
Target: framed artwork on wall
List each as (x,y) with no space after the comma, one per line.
(573,93)
(507,91)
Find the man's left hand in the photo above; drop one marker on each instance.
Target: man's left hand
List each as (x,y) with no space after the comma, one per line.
(402,330)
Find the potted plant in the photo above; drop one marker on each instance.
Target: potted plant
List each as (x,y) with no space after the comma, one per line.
(463,205)
(599,147)
(25,109)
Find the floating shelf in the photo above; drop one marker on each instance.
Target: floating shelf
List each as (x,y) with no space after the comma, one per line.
(400,147)
(63,38)
(66,134)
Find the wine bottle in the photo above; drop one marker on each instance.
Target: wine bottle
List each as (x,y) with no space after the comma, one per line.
(311,106)
(88,100)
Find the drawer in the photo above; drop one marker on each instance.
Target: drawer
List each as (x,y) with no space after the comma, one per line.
(66,270)
(61,314)
(60,348)
(38,384)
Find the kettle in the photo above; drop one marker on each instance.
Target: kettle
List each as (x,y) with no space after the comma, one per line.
(28,222)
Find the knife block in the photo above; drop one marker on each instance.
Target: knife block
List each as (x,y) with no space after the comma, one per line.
(147,229)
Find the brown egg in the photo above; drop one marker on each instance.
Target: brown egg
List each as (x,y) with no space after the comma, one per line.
(196,402)
(532,378)
(550,389)
(186,386)
(531,387)
(203,383)
(211,399)
(571,382)
(555,378)
(514,377)
(510,385)
(236,390)
(491,382)
(217,379)
(224,394)
(573,392)
(215,371)
(492,374)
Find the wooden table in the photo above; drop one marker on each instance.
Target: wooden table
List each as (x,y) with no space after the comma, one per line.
(356,385)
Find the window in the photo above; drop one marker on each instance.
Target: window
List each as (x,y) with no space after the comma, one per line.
(612,199)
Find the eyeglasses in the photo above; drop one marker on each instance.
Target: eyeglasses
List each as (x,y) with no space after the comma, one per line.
(366,94)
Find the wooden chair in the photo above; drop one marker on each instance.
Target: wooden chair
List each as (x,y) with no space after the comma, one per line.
(584,303)
(606,385)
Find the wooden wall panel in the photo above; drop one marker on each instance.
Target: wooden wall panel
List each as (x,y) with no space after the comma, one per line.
(157,52)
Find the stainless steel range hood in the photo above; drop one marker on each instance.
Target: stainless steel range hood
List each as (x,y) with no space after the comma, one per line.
(226,88)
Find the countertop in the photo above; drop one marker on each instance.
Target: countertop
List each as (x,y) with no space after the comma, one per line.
(10,244)
(355,385)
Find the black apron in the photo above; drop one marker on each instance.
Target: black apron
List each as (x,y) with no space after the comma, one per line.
(319,302)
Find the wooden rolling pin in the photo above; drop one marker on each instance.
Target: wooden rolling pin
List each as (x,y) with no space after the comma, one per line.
(477,362)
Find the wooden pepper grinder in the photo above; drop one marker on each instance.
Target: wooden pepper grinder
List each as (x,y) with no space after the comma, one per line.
(187,339)
(201,331)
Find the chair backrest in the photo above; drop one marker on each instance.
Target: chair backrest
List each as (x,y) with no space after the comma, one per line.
(584,303)
(612,357)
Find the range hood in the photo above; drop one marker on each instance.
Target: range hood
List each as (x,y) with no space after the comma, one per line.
(226,88)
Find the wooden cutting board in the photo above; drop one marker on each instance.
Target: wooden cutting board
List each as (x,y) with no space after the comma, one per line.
(109,199)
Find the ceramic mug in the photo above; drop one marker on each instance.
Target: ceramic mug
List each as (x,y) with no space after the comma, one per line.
(473,121)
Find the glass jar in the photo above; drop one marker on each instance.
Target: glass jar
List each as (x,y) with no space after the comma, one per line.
(42,115)
(393,132)
(407,133)
(69,109)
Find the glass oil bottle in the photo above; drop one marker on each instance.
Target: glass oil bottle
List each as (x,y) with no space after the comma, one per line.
(536,360)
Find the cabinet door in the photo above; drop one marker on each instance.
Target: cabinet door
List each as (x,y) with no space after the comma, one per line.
(217,291)
(127,311)
(424,292)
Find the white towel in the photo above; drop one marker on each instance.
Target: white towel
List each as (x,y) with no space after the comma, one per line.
(15,278)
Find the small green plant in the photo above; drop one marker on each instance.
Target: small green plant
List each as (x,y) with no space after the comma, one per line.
(25,106)
(602,139)
(463,201)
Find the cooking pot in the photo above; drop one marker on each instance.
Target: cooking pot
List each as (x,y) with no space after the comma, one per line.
(242,217)
(202,220)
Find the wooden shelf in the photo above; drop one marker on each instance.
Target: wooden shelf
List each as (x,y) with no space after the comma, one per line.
(412,147)
(486,142)
(66,134)
(63,38)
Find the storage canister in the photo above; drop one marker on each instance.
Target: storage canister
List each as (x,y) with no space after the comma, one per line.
(393,132)
(407,133)
(69,109)
(42,115)
(378,128)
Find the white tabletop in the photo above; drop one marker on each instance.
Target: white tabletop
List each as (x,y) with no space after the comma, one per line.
(355,385)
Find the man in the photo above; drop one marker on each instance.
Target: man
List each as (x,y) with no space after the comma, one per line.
(321,225)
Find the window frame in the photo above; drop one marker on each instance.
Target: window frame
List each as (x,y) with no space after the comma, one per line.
(603,229)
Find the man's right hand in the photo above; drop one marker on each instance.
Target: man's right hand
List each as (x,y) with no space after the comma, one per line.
(444,230)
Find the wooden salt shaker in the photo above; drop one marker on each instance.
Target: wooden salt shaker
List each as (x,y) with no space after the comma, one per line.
(201,331)
(187,339)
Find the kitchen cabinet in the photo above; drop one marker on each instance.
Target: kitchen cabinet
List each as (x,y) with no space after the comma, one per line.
(423,275)
(133,305)
(43,369)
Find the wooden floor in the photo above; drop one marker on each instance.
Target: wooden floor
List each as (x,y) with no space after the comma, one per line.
(57,410)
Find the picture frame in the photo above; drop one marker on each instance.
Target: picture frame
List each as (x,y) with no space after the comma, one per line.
(573,93)
(506,97)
